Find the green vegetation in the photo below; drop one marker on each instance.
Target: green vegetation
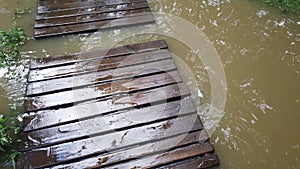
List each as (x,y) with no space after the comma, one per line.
(9,45)
(286,5)
(10,59)
(20,12)
(11,40)
(8,139)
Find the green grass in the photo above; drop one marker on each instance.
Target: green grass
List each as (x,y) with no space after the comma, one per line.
(288,6)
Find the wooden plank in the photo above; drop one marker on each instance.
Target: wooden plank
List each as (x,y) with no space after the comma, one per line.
(89,18)
(137,152)
(206,161)
(157,160)
(79,57)
(82,5)
(105,124)
(91,10)
(74,82)
(93,26)
(98,65)
(63,153)
(141,118)
(49,2)
(99,91)
(55,117)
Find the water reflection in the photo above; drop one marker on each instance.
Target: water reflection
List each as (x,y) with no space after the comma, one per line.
(258,47)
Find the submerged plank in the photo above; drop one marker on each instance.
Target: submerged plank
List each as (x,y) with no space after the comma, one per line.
(73,82)
(49,2)
(55,117)
(93,26)
(89,18)
(201,162)
(98,65)
(99,91)
(104,124)
(83,5)
(138,151)
(89,11)
(79,57)
(167,157)
(100,144)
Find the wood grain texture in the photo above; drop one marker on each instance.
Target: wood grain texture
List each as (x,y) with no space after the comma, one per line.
(94,92)
(99,64)
(79,80)
(52,22)
(65,152)
(106,123)
(54,117)
(59,18)
(60,6)
(57,61)
(126,108)
(138,152)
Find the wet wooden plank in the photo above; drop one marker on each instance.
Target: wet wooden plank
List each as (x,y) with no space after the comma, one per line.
(79,57)
(167,157)
(93,26)
(105,124)
(79,5)
(50,2)
(137,115)
(74,82)
(206,161)
(99,91)
(90,10)
(89,18)
(104,143)
(98,65)
(138,152)
(55,117)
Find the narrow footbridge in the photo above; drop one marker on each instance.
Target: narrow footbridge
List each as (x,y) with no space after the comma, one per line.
(126,107)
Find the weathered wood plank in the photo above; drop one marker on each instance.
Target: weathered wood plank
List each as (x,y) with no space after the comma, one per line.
(137,152)
(73,82)
(98,65)
(49,118)
(89,11)
(148,18)
(157,160)
(79,57)
(50,2)
(137,115)
(82,5)
(206,161)
(89,18)
(104,124)
(99,91)
(100,144)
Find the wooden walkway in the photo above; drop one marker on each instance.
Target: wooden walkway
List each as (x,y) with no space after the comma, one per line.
(59,17)
(126,108)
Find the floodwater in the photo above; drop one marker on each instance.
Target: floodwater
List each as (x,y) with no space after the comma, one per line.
(258,47)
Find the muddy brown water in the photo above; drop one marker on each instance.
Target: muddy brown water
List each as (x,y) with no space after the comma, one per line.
(260,54)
